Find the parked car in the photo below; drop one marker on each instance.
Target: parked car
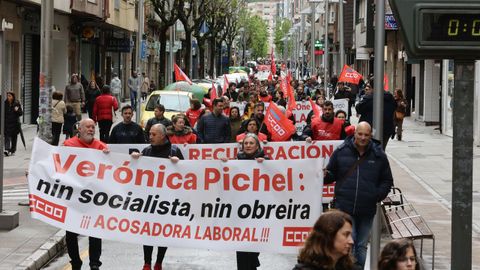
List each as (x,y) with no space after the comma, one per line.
(175,102)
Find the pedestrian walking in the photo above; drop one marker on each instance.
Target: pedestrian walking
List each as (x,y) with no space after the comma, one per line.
(361,172)
(400,112)
(103,111)
(158,118)
(75,96)
(251,150)
(329,244)
(365,109)
(145,86)
(70,118)
(91,94)
(127,131)
(235,122)
(13,111)
(159,147)
(58,110)
(116,88)
(194,112)
(398,255)
(214,127)
(86,139)
(133,86)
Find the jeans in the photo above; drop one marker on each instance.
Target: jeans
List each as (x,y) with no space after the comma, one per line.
(94,249)
(362,225)
(104,126)
(11,142)
(133,99)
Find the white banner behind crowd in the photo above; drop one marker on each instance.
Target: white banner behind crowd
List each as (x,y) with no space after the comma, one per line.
(233,205)
(274,150)
(302,110)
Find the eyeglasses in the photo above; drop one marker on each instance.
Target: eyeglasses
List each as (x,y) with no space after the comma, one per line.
(413,259)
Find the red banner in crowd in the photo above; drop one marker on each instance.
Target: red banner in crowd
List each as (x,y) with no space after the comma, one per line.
(385,82)
(213,93)
(316,109)
(349,75)
(278,124)
(180,75)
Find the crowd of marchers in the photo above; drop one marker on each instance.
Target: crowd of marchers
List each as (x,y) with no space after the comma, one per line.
(359,166)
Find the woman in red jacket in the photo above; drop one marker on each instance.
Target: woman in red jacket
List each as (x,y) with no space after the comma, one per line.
(103,109)
(179,133)
(194,112)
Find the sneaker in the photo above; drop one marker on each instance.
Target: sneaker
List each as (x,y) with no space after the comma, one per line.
(11,153)
(147,267)
(157,266)
(5,153)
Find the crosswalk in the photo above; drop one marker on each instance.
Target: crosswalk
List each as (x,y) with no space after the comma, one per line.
(15,194)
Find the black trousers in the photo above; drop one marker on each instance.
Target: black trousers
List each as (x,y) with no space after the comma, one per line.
(11,142)
(247,260)
(56,131)
(104,126)
(147,254)
(94,249)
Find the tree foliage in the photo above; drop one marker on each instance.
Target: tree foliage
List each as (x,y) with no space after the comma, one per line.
(257,36)
(281,29)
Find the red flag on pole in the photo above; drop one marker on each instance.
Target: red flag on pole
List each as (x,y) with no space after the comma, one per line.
(273,67)
(279,126)
(316,110)
(349,75)
(180,75)
(225,84)
(284,86)
(385,82)
(213,93)
(270,77)
(292,104)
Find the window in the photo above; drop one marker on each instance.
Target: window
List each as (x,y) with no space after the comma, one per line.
(116,4)
(92,1)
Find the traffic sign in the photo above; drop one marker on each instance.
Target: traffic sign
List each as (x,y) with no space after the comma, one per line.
(439,28)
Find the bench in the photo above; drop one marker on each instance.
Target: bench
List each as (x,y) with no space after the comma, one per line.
(403,221)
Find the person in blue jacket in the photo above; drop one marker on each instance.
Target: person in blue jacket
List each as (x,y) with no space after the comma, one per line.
(363,178)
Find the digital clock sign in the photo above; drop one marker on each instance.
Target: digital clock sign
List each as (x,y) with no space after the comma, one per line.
(439,29)
(450,26)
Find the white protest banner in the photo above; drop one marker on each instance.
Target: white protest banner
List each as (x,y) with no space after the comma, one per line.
(234,205)
(274,150)
(303,109)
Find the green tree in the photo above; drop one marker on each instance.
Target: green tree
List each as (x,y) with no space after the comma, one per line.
(281,29)
(257,36)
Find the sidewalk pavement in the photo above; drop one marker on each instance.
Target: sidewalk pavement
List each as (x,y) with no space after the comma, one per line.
(421,166)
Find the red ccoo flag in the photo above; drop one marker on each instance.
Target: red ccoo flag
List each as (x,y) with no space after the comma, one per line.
(279,126)
(180,75)
(349,75)
(270,77)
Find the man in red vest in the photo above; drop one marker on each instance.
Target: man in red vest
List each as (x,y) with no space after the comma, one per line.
(326,127)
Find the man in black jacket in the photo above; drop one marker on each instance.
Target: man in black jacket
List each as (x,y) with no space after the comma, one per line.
(127,131)
(159,147)
(214,127)
(365,109)
(363,178)
(159,118)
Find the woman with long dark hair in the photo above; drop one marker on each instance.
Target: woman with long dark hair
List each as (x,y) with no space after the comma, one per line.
(13,111)
(398,255)
(91,94)
(329,245)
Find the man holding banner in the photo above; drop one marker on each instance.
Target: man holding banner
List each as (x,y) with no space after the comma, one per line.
(159,147)
(85,139)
